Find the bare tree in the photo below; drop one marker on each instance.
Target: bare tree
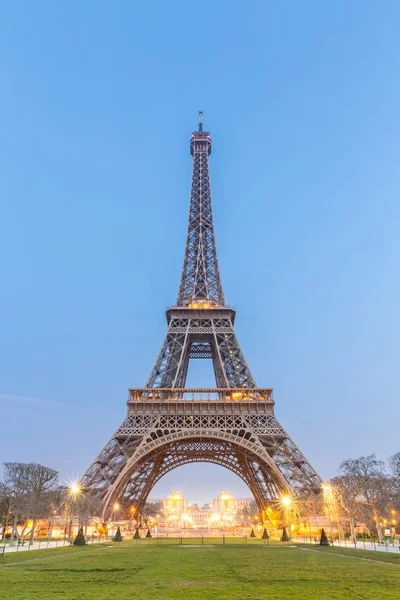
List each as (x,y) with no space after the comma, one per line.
(33,486)
(87,507)
(310,505)
(368,478)
(6,508)
(347,496)
(394,463)
(150,510)
(13,509)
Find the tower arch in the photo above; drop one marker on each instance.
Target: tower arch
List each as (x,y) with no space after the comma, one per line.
(152,461)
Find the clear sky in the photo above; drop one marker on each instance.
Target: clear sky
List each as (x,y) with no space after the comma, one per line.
(97,106)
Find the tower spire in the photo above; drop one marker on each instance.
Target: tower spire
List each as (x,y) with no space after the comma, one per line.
(201,280)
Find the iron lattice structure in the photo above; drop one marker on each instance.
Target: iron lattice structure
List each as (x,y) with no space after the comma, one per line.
(168,425)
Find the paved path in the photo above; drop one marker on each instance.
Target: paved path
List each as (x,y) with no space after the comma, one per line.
(42,545)
(369,546)
(361,545)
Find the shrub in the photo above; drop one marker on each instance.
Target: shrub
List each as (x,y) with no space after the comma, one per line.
(137,534)
(252,533)
(324,539)
(148,534)
(265,535)
(118,537)
(80,538)
(285,537)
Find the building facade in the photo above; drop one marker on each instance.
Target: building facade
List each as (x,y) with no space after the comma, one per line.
(224,510)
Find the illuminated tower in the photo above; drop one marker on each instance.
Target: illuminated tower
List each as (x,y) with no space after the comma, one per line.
(168,425)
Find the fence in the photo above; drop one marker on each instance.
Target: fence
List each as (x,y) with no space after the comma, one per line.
(203,540)
(199,540)
(38,544)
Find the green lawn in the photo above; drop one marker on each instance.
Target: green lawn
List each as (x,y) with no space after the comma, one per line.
(167,571)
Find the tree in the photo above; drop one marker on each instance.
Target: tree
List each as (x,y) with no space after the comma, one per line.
(33,486)
(285,537)
(149,512)
(265,535)
(368,477)
(118,536)
(148,534)
(324,539)
(252,534)
(311,504)
(86,507)
(394,463)
(137,534)
(80,538)
(6,508)
(347,491)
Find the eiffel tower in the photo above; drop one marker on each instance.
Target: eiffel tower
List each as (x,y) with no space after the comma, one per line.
(168,425)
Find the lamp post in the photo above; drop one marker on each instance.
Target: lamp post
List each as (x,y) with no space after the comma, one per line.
(115,510)
(74,490)
(286,502)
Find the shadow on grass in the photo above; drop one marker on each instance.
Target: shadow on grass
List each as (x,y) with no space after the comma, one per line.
(96,570)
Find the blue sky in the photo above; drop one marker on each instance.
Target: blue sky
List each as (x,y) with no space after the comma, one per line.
(98,102)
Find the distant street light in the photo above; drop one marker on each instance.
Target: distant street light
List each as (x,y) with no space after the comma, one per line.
(74,489)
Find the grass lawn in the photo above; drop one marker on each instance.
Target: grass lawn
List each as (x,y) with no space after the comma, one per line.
(246,571)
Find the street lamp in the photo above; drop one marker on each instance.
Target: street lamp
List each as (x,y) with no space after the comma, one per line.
(74,491)
(116,509)
(286,503)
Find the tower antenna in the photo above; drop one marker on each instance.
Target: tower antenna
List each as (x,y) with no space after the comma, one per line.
(200,120)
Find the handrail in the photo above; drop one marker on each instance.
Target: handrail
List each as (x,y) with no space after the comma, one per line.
(187,394)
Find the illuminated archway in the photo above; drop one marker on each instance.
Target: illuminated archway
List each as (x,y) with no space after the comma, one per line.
(157,457)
